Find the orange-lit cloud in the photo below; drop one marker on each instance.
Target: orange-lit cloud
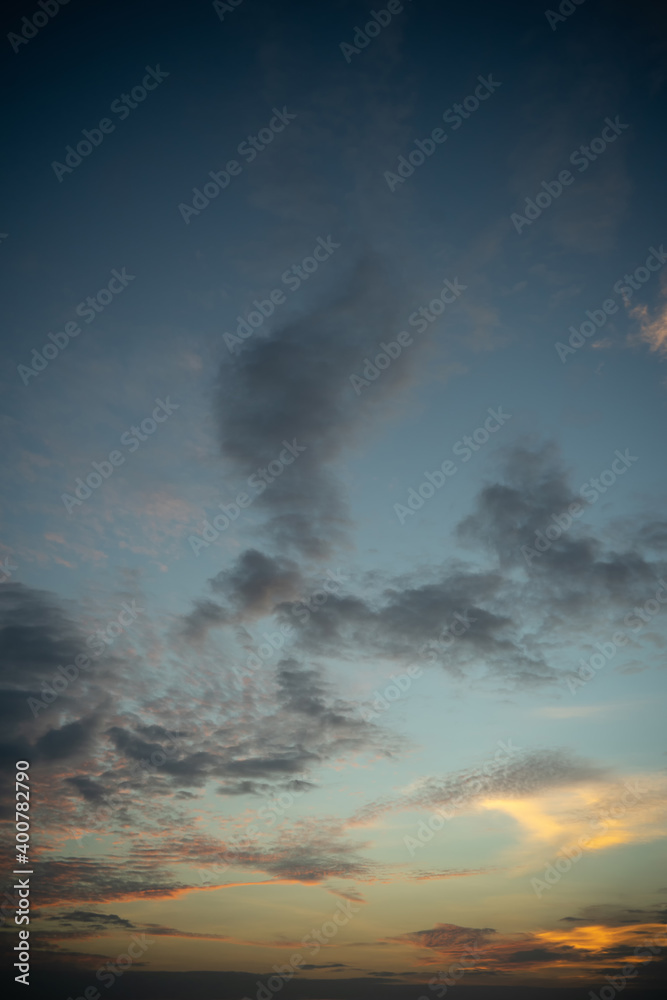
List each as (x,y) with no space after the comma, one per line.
(577,953)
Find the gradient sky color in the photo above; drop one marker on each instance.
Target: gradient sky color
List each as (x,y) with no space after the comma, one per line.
(397,701)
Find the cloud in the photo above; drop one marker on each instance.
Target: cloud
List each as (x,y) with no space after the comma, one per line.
(515,613)
(205,615)
(294,384)
(79,880)
(527,774)
(308,852)
(613,915)
(446,937)
(93,920)
(591,814)
(257,582)
(583,954)
(36,636)
(270,738)
(68,740)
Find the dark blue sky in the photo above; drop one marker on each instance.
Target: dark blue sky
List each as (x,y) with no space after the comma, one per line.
(173,507)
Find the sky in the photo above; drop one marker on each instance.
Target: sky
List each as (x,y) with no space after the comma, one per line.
(333,557)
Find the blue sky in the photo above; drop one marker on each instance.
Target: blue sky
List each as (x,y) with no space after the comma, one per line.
(146,391)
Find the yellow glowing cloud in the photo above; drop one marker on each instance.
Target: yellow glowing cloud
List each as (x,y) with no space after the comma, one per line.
(598,937)
(592,816)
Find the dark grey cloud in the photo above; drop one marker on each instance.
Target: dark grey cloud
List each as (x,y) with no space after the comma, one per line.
(326,965)
(515,612)
(68,740)
(78,880)
(653,535)
(411,622)
(448,936)
(97,921)
(524,773)
(257,582)
(89,789)
(205,615)
(614,915)
(295,384)
(36,636)
(579,567)
(531,955)
(263,749)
